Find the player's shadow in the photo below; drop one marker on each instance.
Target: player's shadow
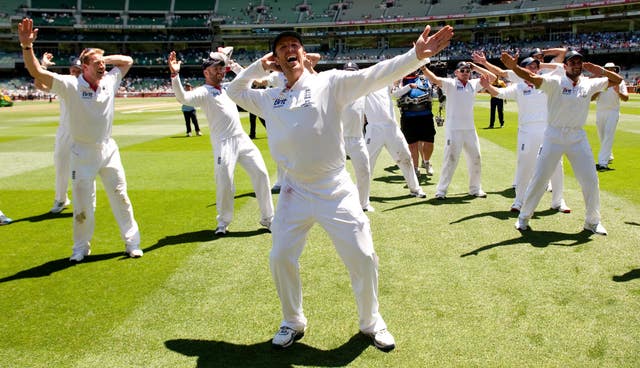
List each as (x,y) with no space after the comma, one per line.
(631,275)
(632,223)
(539,239)
(225,354)
(44,217)
(506,193)
(503,215)
(48,268)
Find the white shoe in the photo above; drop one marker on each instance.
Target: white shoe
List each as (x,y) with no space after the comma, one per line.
(285,337)
(595,228)
(59,206)
(427,165)
(4,220)
(369,208)
(383,340)
(189,134)
(418,193)
(562,207)
(479,194)
(265,222)
(515,207)
(440,195)
(522,224)
(79,254)
(198,133)
(221,230)
(134,251)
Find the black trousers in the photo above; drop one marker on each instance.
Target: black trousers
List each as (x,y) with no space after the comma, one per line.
(190,117)
(496,104)
(252,125)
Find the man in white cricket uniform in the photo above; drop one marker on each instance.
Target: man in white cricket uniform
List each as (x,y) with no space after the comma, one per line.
(383,131)
(90,99)
(62,147)
(532,122)
(306,141)
(460,131)
(231,145)
(568,107)
(353,124)
(607,116)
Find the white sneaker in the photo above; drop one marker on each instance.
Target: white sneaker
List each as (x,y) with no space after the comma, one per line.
(383,340)
(440,195)
(79,254)
(369,208)
(221,230)
(479,194)
(189,134)
(522,224)
(59,206)
(285,337)
(198,133)
(418,193)
(265,222)
(562,207)
(427,165)
(595,228)
(515,207)
(134,251)
(4,220)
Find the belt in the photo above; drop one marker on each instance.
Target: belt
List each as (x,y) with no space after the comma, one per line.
(416,107)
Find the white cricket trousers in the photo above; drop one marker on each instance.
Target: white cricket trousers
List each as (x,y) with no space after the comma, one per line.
(457,141)
(530,138)
(357,151)
(606,122)
(573,143)
(62,163)
(390,136)
(88,161)
(341,216)
(241,150)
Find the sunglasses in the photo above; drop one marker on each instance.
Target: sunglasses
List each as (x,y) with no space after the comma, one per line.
(465,70)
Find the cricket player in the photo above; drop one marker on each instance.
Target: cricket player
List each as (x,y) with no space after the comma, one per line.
(62,147)
(306,140)
(607,116)
(568,108)
(353,125)
(460,131)
(231,145)
(90,98)
(532,122)
(383,132)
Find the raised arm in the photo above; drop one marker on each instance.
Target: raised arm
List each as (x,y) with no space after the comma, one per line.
(434,79)
(479,58)
(477,68)
(512,63)
(484,82)
(27,36)
(123,62)
(557,53)
(614,78)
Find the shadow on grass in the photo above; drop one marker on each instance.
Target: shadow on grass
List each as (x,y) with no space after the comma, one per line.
(539,239)
(506,193)
(503,215)
(225,354)
(48,268)
(45,216)
(631,275)
(632,223)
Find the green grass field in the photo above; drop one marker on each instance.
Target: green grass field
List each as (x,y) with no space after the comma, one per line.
(459,286)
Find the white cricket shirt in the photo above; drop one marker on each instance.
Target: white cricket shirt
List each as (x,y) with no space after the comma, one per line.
(459,105)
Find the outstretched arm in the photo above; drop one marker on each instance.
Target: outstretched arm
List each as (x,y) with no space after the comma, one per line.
(484,82)
(27,36)
(512,63)
(427,46)
(479,58)
(434,79)
(492,77)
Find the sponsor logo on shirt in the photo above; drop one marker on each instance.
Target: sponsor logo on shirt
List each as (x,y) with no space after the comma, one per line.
(280,101)
(527,92)
(87,95)
(307,98)
(567,91)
